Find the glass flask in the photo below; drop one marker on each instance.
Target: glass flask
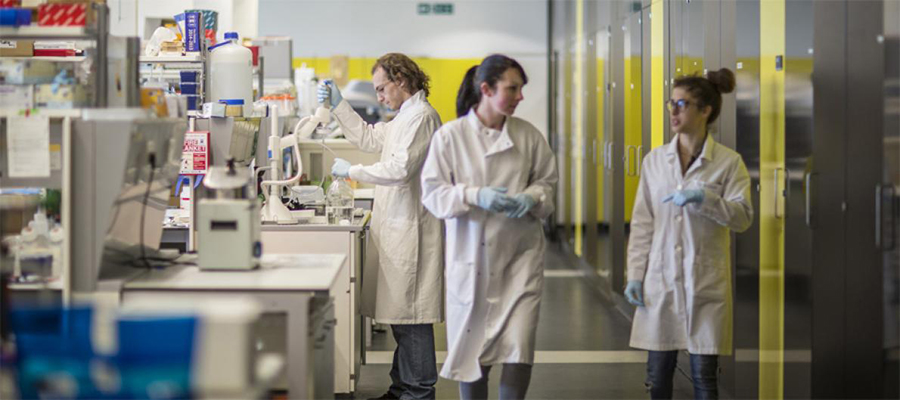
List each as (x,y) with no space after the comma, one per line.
(339,202)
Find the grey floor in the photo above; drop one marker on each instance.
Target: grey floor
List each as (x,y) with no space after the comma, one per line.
(576,324)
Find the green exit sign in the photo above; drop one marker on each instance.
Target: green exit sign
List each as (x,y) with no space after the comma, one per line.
(435,8)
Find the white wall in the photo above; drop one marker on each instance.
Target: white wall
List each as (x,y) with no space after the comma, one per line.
(477,28)
(129,17)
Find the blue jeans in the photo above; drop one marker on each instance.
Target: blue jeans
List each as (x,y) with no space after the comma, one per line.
(514,380)
(414,371)
(661,370)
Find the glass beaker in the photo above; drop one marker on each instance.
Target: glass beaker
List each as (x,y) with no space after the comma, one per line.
(339,202)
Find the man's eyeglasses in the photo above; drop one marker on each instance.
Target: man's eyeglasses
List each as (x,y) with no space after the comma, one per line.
(681,104)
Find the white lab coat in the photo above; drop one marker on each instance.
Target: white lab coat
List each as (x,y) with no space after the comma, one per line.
(495,270)
(682,254)
(407,237)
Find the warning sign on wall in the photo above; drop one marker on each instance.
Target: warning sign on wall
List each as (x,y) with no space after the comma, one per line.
(195,154)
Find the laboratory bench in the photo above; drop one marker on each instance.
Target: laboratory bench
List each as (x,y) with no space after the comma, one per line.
(296,287)
(349,240)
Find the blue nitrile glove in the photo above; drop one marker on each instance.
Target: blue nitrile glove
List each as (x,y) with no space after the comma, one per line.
(634,293)
(494,199)
(328,90)
(682,197)
(524,204)
(341,168)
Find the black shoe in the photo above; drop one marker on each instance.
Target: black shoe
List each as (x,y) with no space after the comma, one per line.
(386,396)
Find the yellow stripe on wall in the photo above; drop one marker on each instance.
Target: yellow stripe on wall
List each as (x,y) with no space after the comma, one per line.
(601,126)
(657,73)
(771,219)
(446,76)
(579,127)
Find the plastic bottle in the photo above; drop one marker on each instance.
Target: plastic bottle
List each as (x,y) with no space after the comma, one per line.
(339,203)
(231,72)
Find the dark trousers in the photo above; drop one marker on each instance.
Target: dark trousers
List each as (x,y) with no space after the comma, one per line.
(661,370)
(414,371)
(514,380)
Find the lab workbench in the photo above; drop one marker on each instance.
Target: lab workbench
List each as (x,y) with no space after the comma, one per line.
(295,285)
(349,240)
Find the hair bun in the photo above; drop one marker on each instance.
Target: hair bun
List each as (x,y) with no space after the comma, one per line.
(723,80)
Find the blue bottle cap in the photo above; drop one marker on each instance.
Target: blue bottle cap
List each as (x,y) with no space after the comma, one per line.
(231,35)
(232,102)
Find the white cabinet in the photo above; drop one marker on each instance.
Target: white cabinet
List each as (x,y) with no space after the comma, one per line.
(349,345)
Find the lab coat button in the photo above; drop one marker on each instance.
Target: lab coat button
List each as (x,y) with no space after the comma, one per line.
(679,187)
(678,218)
(678,249)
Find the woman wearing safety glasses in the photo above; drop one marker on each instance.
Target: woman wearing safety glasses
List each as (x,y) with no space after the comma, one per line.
(693,192)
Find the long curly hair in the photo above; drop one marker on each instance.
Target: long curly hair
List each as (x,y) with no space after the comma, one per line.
(401,69)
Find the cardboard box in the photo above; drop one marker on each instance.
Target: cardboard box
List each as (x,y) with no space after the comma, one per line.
(60,97)
(16,48)
(68,14)
(16,97)
(33,3)
(192,34)
(27,72)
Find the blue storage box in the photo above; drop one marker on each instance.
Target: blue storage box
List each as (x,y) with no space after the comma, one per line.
(193,102)
(190,76)
(190,88)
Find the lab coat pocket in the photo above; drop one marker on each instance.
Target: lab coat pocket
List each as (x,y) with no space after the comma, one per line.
(400,241)
(461,283)
(711,279)
(714,187)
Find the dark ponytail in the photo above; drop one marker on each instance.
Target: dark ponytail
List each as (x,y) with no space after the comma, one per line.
(490,71)
(709,90)
(467,95)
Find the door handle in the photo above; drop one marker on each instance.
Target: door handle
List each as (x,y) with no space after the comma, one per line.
(640,162)
(879,192)
(787,187)
(808,203)
(775,192)
(631,161)
(895,207)
(608,158)
(882,191)
(627,160)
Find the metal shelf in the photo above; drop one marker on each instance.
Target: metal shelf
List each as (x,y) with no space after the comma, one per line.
(45,32)
(192,58)
(45,112)
(52,59)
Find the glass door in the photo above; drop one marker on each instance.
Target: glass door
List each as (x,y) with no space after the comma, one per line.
(633,117)
(889,203)
(603,260)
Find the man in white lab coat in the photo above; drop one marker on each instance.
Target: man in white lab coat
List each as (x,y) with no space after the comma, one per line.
(408,238)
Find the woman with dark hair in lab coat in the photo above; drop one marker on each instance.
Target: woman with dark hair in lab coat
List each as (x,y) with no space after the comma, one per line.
(490,177)
(693,192)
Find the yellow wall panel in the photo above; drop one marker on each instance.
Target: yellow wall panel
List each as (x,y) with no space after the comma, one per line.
(566,145)
(771,218)
(657,74)
(579,127)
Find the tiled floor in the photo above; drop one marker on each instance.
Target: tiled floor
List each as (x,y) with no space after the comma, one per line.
(582,347)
